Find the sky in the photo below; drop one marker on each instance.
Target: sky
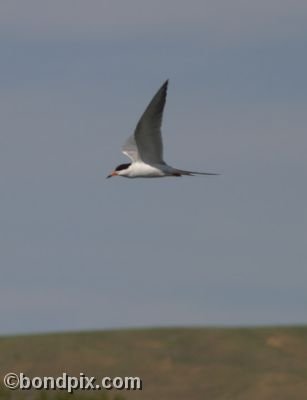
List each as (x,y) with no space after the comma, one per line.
(80,252)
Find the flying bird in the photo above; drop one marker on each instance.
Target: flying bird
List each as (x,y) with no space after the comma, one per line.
(145,147)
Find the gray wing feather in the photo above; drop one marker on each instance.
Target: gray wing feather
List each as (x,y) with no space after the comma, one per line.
(147,134)
(130,149)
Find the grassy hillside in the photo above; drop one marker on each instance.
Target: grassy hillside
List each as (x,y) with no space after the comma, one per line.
(196,363)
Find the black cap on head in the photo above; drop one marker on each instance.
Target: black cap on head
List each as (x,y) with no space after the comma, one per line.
(122,166)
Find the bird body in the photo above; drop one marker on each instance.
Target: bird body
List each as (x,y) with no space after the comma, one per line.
(145,147)
(140,169)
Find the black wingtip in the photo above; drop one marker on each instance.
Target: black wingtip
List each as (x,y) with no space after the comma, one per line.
(165,85)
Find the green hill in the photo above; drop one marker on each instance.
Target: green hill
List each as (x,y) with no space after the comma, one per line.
(175,363)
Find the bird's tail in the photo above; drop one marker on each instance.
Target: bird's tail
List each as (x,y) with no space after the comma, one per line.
(192,173)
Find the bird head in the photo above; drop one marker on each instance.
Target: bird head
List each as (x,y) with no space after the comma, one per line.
(120,170)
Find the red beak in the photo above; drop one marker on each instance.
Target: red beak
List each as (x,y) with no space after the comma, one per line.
(113,173)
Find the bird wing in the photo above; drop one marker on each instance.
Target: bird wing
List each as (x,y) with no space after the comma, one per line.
(130,149)
(147,134)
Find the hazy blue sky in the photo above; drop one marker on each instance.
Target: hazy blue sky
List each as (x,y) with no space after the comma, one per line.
(78,251)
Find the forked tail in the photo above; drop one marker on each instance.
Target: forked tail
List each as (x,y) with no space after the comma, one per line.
(192,173)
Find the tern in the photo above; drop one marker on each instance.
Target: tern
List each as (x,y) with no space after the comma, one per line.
(145,147)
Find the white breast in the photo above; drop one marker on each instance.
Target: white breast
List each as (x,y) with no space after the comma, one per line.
(140,169)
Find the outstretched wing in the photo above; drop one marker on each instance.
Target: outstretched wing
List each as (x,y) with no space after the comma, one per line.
(147,134)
